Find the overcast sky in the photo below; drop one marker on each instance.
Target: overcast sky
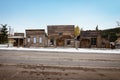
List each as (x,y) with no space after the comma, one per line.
(37,14)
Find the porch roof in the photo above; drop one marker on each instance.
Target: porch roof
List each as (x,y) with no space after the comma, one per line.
(16,37)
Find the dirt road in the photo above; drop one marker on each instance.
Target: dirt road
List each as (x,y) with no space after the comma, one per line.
(28,65)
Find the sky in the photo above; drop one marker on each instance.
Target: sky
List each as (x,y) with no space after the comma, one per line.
(37,14)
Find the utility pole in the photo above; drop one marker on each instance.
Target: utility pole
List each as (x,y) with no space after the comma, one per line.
(9,30)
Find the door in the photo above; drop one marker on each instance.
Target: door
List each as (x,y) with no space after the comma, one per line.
(60,42)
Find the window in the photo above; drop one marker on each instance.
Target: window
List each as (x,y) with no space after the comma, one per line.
(40,40)
(34,40)
(28,40)
(93,41)
(51,42)
(68,42)
(60,33)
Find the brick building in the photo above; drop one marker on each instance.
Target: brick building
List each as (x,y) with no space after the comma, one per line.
(61,35)
(36,38)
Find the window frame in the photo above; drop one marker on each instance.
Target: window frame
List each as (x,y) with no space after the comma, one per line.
(68,42)
(93,41)
(28,40)
(34,40)
(40,39)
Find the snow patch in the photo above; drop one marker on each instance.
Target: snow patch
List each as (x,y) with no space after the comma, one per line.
(73,50)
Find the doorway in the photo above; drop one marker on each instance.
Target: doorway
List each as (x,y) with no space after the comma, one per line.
(60,42)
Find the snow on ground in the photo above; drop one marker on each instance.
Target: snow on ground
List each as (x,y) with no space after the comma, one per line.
(73,50)
(3,45)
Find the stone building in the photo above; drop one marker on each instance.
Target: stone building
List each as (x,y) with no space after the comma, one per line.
(36,38)
(90,39)
(16,40)
(61,35)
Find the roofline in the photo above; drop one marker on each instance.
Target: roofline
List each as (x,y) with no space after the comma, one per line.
(60,25)
(18,32)
(14,37)
(110,28)
(35,30)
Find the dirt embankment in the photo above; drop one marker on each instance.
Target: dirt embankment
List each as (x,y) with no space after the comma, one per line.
(49,72)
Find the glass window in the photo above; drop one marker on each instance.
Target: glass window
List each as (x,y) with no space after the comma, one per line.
(93,41)
(28,40)
(60,33)
(40,40)
(68,42)
(51,41)
(34,40)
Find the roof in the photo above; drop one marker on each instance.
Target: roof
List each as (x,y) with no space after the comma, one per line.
(16,37)
(35,29)
(18,34)
(60,25)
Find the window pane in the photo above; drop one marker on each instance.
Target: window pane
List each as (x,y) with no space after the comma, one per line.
(51,42)
(68,42)
(40,40)
(34,41)
(28,40)
(93,41)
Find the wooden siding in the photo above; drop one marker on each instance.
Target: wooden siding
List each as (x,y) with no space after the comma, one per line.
(35,32)
(64,29)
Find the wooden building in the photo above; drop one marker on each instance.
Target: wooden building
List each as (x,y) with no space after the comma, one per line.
(36,38)
(117,43)
(16,40)
(61,35)
(90,39)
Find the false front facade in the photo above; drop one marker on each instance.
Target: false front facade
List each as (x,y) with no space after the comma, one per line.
(61,35)
(90,39)
(36,38)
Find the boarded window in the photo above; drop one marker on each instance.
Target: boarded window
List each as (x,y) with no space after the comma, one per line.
(40,40)
(34,40)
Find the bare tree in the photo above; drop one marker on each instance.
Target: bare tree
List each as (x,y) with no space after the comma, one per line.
(118,23)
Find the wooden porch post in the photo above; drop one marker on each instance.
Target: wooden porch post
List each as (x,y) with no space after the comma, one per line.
(18,42)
